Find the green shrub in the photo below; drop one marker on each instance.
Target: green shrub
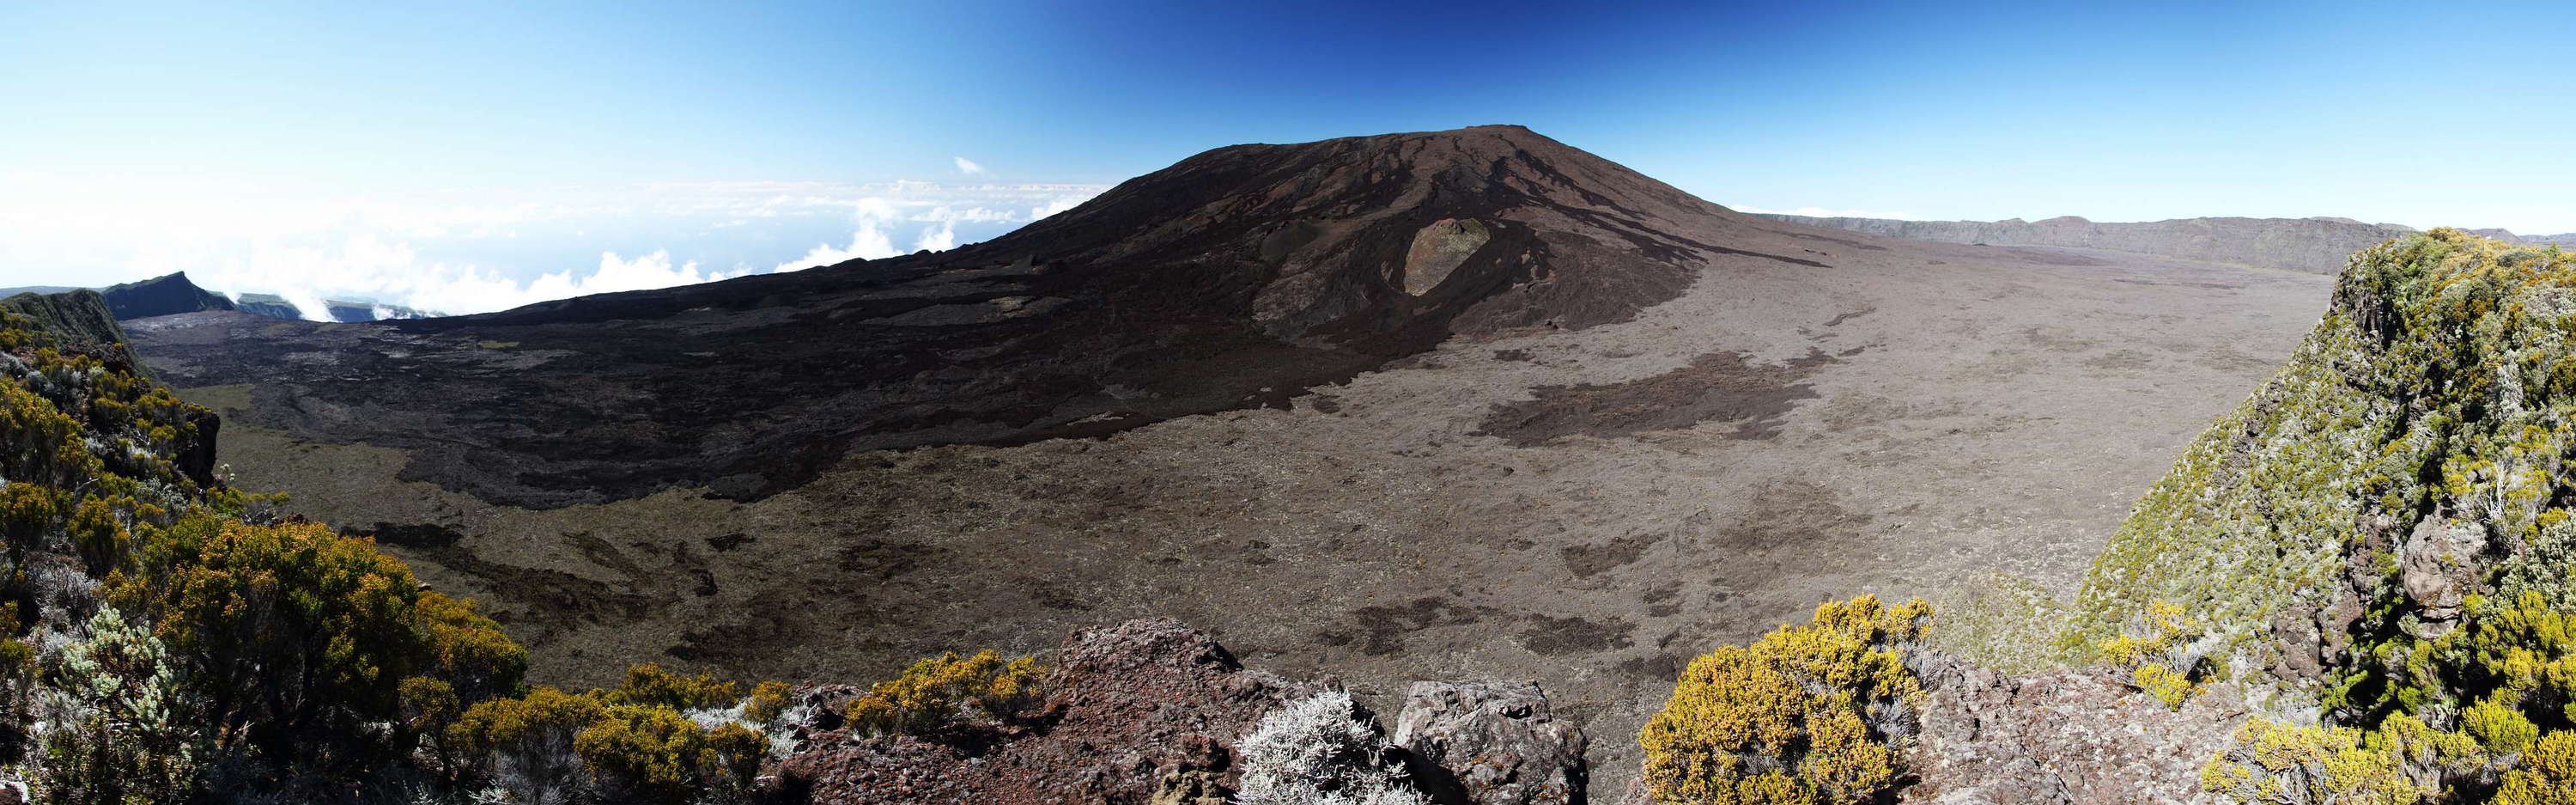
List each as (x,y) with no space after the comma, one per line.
(98,535)
(127,735)
(429,708)
(1799,716)
(625,744)
(296,640)
(2401,763)
(2499,726)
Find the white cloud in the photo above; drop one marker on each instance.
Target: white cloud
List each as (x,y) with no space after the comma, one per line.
(968,167)
(479,250)
(1059,205)
(869,242)
(365,267)
(938,239)
(1823,212)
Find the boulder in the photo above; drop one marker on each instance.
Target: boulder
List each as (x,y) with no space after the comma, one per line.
(1491,743)
(2439,565)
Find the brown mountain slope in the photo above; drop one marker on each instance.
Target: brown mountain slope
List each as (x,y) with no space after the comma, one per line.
(1234,278)
(1737,437)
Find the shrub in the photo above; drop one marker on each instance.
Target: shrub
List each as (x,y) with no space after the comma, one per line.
(295,638)
(632,743)
(1806,714)
(2546,776)
(942,694)
(525,745)
(123,731)
(1320,750)
(2499,726)
(649,684)
(768,700)
(652,753)
(429,707)
(2402,763)
(38,443)
(2159,654)
(97,535)
(468,651)
(27,512)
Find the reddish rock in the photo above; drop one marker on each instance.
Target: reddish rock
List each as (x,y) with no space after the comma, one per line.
(1144,712)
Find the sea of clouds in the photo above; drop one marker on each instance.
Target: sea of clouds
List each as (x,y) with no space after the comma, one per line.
(459,252)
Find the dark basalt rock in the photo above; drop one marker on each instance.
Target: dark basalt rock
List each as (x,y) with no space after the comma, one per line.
(1236,278)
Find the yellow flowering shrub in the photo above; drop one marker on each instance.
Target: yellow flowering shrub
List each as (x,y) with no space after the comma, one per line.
(2546,776)
(939,693)
(2401,763)
(2150,653)
(767,701)
(647,683)
(1792,718)
(652,753)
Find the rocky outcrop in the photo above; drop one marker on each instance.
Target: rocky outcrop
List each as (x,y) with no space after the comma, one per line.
(164,295)
(1143,712)
(1151,712)
(2059,738)
(1490,743)
(2315,245)
(81,320)
(2439,565)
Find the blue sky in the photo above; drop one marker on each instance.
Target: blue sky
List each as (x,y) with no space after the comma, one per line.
(499,143)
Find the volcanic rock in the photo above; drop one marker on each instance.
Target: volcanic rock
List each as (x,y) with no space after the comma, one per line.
(2439,565)
(2059,738)
(1494,743)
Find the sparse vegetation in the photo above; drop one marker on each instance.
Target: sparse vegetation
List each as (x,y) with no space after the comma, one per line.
(1806,714)
(2003,622)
